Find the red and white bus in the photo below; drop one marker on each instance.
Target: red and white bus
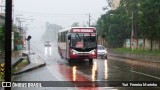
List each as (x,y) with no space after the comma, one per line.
(78,43)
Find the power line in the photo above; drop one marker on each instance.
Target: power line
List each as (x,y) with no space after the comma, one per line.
(58,13)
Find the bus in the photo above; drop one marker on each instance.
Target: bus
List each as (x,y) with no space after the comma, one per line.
(78,43)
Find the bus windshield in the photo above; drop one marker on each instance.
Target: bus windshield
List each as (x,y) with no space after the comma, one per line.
(83,40)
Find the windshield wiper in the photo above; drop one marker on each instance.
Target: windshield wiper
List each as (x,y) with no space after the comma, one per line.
(78,36)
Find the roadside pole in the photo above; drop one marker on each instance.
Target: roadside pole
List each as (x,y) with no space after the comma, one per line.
(29,47)
(8,30)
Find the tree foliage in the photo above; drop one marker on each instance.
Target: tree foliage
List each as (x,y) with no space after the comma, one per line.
(149,19)
(2,33)
(116,24)
(2,37)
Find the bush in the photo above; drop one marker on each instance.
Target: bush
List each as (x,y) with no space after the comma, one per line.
(2,38)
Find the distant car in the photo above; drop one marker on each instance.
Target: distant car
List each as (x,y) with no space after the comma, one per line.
(102,51)
(47,44)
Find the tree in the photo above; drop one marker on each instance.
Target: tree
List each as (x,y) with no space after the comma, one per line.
(114,25)
(149,20)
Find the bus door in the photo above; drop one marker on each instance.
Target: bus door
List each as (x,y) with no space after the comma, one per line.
(67,45)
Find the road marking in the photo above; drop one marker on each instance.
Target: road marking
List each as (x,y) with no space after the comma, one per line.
(144,74)
(141,73)
(109,88)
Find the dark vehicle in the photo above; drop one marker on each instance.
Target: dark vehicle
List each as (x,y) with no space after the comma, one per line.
(47,44)
(101,51)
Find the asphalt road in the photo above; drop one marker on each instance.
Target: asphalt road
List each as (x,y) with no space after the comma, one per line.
(111,69)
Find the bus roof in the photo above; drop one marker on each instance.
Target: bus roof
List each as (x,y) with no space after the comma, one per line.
(68,29)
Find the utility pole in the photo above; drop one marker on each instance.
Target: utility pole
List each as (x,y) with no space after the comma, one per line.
(134,38)
(8,30)
(89,20)
(132,32)
(83,23)
(25,36)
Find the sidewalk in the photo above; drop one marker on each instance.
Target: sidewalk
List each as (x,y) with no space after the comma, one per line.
(34,60)
(147,58)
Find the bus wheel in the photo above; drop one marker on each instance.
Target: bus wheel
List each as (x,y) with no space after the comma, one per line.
(61,56)
(69,60)
(106,57)
(90,60)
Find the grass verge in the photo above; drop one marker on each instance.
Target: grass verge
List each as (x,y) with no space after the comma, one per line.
(20,66)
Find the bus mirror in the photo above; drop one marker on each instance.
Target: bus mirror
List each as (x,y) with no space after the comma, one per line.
(69,37)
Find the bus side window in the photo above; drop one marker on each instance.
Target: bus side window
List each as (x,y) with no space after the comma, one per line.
(65,36)
(59,37)
(73,40)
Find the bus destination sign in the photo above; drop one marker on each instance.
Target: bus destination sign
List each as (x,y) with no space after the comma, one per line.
(82,30)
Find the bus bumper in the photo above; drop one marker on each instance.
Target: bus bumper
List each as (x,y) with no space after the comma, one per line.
(83,56)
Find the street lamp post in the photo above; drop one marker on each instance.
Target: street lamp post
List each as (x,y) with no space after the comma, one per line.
(25,35)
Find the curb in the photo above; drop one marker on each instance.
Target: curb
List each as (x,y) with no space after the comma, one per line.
(141,60)
(26,56)
(30,69)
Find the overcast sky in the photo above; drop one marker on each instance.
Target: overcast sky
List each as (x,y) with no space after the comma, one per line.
(61,12)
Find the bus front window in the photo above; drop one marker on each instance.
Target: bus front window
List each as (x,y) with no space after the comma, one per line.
(75,38)
(87,40)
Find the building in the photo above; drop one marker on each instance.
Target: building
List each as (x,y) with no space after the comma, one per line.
(115,4)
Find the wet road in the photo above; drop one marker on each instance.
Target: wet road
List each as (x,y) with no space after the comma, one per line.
(111,69)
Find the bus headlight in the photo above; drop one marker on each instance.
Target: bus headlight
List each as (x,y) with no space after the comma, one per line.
(93,52)
(73,52)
